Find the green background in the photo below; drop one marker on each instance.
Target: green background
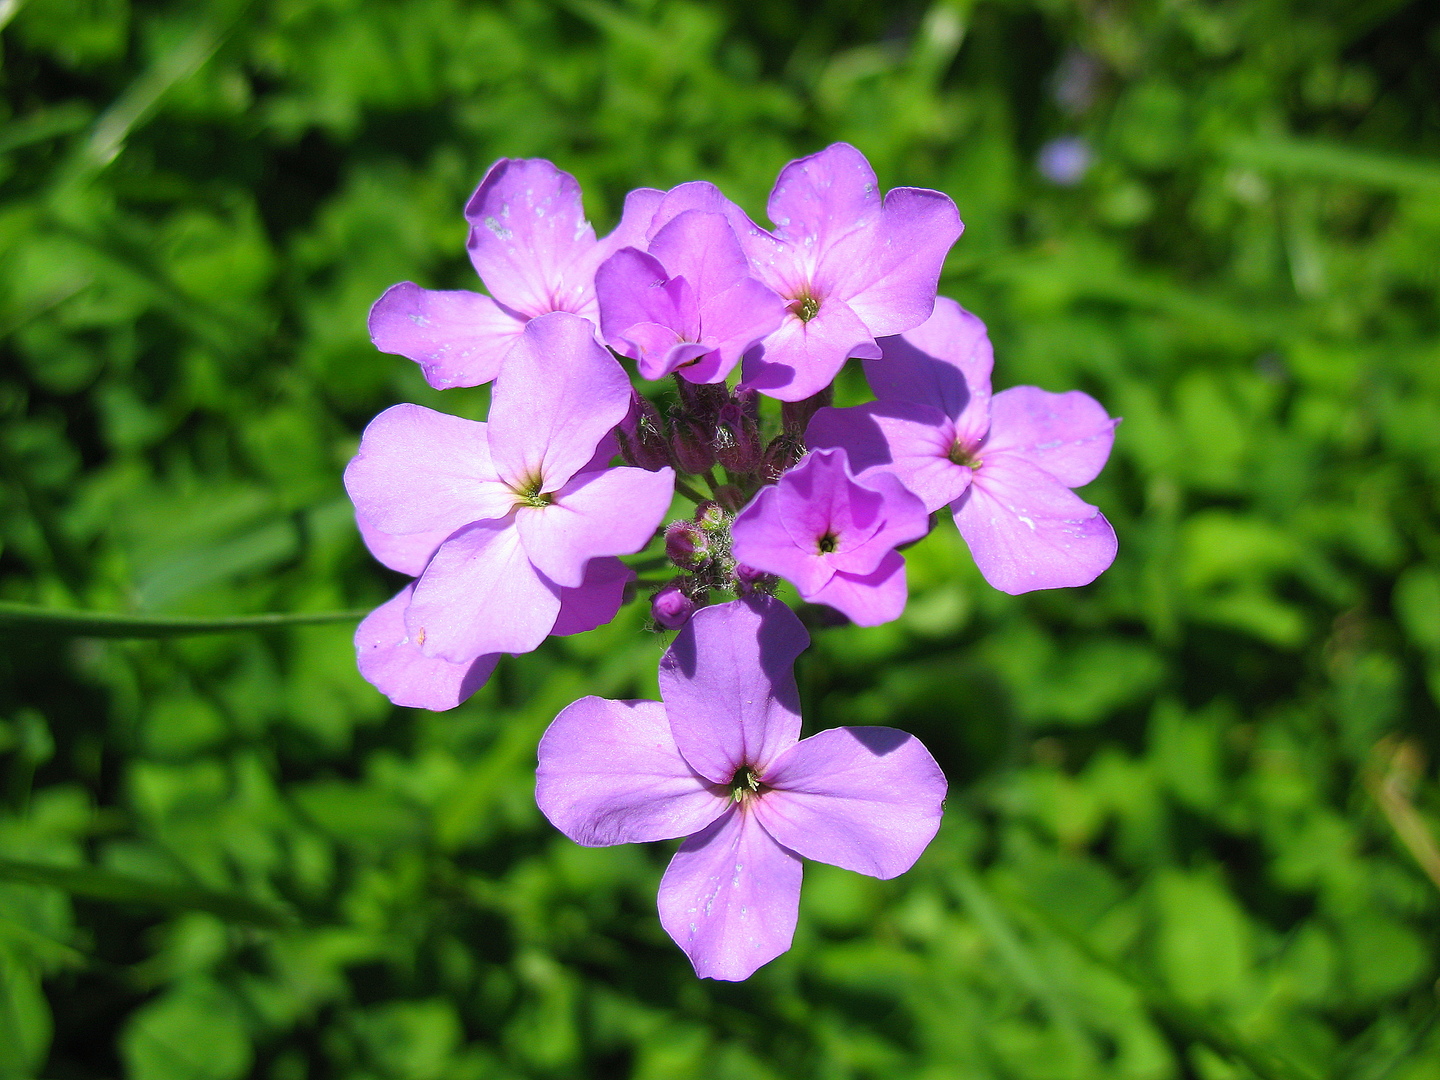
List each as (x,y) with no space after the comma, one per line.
(1191,805)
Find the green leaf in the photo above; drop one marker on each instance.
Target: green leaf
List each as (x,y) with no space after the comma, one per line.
(97,884)
(33,618)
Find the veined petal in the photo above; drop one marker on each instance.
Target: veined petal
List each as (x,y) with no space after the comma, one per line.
(596,600)
(913,442)
(458,338)
(889,272)
(819,499)
(802,358)
(528,230)
(731,322)
(867,799)
(761,540)
(1029,531)
(945,363)
(419,470)
(610,774)
(903,519)
(392,663)
(820,200)
(407,553)
(867,599)
(557,396)
(728,681)
(615,512)
(730,898)
(481,595)
(1068,435)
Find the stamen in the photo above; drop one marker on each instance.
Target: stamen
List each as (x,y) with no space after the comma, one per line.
(806,307)
(745,784)
(827,543)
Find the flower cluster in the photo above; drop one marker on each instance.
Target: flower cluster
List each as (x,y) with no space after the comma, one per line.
(515,528)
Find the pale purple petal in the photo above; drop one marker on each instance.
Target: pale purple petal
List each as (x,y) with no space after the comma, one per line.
(419,470)
(596,600)
(911,441)
(818,498)
(481,595)
(391,662)
(821,200)
(528,230)
(1068,435)
(639,210)
(644,312)
(557,397)
(888,274)
(1029,531)
(944,363)
(458,338)
(802,358)
(728,681)
(615,512)
(864,798)
(610,774)
(700,247)
(760,539)
(867,599)
(407,553)
(706,197)
(730,898)
(733,321)
(902,519)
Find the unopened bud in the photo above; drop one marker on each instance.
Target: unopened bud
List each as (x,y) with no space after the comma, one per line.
(730,497)
(737,440)
(748,580)
(670,607)
(690,446)
(642,435)
(687,545)
(784,451)
(702,401)
(795,415)
(710,515)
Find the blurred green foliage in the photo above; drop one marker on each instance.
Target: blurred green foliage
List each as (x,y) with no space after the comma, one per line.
(1191,807)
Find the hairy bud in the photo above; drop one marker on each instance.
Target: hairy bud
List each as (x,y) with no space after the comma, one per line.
(737,439)
(642,436)
(784,451)
(671,607)
(687,545)
(795,415)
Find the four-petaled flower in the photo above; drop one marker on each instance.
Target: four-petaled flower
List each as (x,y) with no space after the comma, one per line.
(720,761)
(1005,465)
(833,537)
(525,501)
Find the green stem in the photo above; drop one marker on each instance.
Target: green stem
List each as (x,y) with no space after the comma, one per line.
(34,619)
(690,493)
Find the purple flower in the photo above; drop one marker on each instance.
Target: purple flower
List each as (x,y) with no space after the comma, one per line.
(850,265)
(524,502)
(719,762)
(391,661)
(1005,466)
(536,253)
(688,304)
(834,537)
(1065,160)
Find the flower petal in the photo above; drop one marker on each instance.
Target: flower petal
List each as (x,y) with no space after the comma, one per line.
(419,470)
(911,441)
(802,358)
(1029,531)
(821,200)
(458,338)
(557,396)
(407,553)
(615,512)
(731,897)
(392,663)
(760,539)
(1068,435)
(610,774)
(728,681)
(481,595)
(596,600)
(945,363)
(864,798)
(528,229)
(867,599)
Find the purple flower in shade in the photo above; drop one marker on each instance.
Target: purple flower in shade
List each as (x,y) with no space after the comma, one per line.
(834,537)
(721,762)
(1005,465)
(1065,160)
(536,253)
(688,303)
(523,502)
(850,265)
(391,661)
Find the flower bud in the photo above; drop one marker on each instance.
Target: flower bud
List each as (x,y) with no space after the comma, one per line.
(784,451)
(687,545)
(702,401)
(737,440)
(670,607)
(710,515)
(795,415)
(642,436)
(748,580)
(690,446)
(730,497)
